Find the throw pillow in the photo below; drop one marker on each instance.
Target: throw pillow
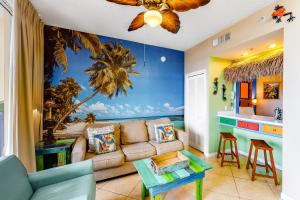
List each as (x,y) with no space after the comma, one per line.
(105,143)
(165,133)
(96,131)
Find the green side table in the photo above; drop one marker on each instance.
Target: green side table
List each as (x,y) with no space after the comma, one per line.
(62,148)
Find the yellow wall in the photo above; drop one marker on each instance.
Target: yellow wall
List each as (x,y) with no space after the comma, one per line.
(266,107)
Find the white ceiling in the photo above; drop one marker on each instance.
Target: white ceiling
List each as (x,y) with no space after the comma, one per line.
(108,19)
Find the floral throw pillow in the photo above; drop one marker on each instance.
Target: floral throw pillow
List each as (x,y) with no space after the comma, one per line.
(164,133)
(91,132)
(105,143)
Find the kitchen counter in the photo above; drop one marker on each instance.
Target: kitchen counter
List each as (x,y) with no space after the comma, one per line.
(255,123)
(251,118)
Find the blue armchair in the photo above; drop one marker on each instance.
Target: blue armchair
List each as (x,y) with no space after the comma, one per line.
(74,181)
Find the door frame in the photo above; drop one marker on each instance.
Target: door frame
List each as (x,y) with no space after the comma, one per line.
(206,115)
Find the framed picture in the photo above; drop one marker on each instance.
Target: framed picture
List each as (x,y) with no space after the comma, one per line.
(271,90)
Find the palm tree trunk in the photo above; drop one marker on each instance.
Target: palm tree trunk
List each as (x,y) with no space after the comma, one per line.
(72,110)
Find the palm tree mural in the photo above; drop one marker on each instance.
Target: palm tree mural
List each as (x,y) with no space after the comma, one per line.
(90,118)
(109,74)
(59,39)
(63,97)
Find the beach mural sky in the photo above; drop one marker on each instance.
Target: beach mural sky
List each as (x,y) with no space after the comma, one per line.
(157,91)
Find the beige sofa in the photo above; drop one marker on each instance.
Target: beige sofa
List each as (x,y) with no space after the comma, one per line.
(135,140)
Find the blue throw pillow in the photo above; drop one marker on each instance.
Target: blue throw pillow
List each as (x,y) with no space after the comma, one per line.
(165,133)
(105,143)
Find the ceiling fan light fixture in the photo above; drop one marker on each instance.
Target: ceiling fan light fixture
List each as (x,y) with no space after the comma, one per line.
(153,18)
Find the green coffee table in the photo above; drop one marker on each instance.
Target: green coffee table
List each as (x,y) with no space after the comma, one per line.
(61,147)
(157,185)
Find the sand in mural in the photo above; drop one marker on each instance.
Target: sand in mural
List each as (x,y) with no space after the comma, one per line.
(96,78)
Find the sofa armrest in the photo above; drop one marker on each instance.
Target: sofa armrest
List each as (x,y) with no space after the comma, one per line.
(79,150)
(183,137)
(60,174)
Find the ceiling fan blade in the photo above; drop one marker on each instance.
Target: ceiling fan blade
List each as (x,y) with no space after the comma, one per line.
(185,5)
(127,2)
(137,23)
(170,21)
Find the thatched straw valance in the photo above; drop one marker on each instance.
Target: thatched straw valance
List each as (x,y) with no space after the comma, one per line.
(255,67)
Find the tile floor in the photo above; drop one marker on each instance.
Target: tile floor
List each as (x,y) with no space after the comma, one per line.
(220,183)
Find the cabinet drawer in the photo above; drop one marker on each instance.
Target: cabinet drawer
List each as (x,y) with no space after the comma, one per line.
(227,121)
(248,125)
(272,129)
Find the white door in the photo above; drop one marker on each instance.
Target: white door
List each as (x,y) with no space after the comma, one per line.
(196,109)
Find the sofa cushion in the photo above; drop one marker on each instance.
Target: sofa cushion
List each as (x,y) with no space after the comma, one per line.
(100,125)
(134,132)
(166,147)
(106,160)
(151,123)
(165,133)
(138,151)
(92,132)
(14,181)
(78,188)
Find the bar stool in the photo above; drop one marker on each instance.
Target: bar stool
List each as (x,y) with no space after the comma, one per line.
(228,137)
(262,145)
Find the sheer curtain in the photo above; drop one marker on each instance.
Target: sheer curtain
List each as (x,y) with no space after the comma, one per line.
(26,84)
(5,52)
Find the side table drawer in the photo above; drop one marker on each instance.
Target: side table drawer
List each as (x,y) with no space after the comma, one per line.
(272,129)
(248,125)
(228,121)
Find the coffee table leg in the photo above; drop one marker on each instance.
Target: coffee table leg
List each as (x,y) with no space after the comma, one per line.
(145,192)
(199,187)
(157,197)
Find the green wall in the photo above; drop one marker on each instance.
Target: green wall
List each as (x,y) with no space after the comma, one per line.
(1,107)
(216,103)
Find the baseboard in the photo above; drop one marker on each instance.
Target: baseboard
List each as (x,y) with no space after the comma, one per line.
(285,197)
(209,155)
(279,167)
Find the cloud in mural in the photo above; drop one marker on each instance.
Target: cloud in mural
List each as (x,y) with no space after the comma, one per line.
(137,109)
(98,106)
(127,105)
(150,107)
(82,87)
(173,109)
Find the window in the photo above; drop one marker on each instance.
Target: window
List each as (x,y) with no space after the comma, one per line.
(5,34)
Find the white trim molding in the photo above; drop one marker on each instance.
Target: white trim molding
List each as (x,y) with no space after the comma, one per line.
(285,197)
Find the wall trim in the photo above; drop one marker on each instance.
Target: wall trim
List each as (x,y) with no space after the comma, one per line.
(209,155)
(285,197)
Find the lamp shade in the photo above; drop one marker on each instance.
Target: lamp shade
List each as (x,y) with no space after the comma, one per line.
(153,18)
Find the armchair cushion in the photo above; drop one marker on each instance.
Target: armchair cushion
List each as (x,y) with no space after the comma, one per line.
(81,188)
(60,174)
(14,181)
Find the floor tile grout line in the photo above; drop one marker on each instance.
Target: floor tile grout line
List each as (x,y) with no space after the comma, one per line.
(113,192)
(134,187)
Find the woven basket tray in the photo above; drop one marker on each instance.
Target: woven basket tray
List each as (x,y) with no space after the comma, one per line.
(168,162)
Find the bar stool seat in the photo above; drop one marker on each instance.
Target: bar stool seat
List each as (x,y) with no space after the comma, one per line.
(262,145)
(228,137)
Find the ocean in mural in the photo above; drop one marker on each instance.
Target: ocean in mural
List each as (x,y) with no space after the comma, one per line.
(154,85)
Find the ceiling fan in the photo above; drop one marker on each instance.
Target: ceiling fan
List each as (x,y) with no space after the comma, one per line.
(160,12)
